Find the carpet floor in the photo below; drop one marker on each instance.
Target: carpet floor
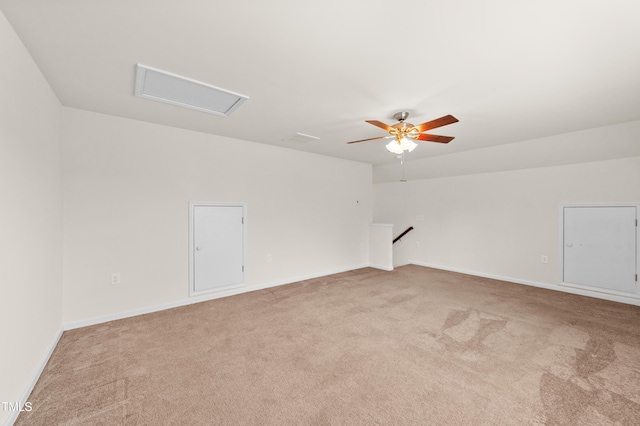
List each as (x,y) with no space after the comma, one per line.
(414,346)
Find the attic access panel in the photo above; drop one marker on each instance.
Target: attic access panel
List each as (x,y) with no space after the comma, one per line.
(166,87)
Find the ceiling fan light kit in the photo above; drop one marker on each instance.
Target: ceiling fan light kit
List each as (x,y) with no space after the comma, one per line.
(397,146)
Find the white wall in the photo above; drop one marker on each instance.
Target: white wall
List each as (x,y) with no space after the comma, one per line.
(380,246)
(597,144)
(499,223)
(30,219)
(127,185)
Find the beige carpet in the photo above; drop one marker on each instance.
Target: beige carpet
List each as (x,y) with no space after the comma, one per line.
(413,346)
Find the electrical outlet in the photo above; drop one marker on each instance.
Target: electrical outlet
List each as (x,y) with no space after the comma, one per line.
(269,258)
(544,259)
(115,278)
(417,243)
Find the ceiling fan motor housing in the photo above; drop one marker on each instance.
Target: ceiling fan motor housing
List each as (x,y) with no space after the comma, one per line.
(403,129)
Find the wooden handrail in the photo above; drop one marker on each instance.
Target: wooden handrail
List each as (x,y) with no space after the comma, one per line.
(402,235)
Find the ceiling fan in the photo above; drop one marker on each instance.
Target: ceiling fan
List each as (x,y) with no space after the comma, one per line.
(406,133)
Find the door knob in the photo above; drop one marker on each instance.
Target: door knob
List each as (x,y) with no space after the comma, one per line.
(198,248)
(569,245)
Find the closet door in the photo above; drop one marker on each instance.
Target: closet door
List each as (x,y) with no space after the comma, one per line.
(599,247)
(217,247)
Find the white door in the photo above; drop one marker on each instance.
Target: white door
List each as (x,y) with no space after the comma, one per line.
(600,247)
(217,247)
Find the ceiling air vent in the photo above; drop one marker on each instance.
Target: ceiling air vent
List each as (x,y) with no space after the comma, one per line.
(301,138)
(174,89)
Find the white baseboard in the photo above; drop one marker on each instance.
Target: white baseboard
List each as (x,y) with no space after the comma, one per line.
(198,299)
(572,290)
(34,379)
(384,268)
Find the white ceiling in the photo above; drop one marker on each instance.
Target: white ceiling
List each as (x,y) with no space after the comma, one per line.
(509,70)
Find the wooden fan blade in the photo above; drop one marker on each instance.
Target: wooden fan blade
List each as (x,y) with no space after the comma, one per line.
(379,124)
(370,139)
(434,138)
(438,122)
